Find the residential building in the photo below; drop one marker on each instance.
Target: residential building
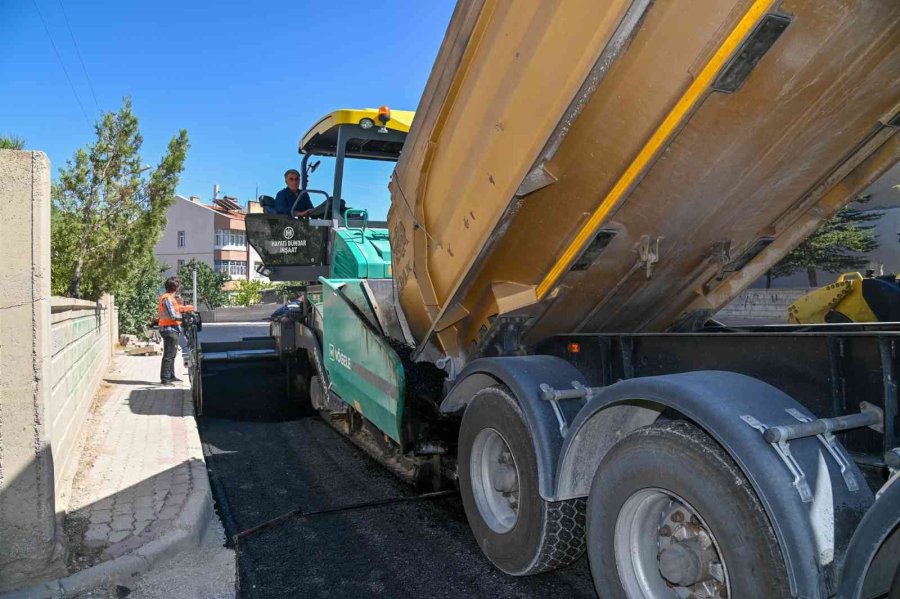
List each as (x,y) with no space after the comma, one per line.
(214,234)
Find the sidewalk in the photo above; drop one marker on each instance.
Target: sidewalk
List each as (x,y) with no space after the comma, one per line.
(141,494)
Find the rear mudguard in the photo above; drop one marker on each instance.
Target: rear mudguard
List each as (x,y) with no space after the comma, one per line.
(813,535)
(524,375)
(871,538)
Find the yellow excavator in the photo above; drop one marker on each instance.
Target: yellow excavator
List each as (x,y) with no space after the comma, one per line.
(852,298)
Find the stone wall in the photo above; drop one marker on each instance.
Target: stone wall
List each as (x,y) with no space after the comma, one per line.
(761,306)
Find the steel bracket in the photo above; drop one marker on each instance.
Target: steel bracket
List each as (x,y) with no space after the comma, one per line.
(448,365)
(578,391)
(831,445)
(548,394)
(783,449)
(589,392)
(722,257)
(648,252)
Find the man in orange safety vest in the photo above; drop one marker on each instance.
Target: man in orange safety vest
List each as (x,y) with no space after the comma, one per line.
(169,310)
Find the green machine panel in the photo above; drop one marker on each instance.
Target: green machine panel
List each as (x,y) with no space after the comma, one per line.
(364,370)
(361,254)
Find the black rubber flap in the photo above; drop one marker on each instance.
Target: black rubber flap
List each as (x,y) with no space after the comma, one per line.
(750,53)
(601,240)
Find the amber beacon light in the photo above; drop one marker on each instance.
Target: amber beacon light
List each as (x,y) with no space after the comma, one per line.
(384,116)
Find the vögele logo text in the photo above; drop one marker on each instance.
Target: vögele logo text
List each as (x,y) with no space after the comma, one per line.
(335,353)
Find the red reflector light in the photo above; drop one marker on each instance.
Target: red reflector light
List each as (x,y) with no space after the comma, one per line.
(574,348)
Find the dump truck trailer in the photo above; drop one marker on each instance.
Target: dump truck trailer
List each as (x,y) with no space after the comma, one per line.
(579,191)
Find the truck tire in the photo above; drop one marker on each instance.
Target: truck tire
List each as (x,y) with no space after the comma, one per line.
(671,515)
(517,530)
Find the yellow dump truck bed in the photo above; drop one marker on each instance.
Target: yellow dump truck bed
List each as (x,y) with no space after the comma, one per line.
(631,166)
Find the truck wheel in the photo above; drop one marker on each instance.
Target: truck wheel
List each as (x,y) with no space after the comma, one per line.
(670,515)
(519,532)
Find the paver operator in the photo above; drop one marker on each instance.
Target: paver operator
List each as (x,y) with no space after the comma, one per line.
(169,312)
(288,196)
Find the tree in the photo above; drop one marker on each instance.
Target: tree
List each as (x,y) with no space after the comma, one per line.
(209,284)
(137,298)
(11,142)
(288,290)
(109,215)
(248,292)
(838,245)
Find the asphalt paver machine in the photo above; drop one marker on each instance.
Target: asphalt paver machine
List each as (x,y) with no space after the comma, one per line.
(334,247)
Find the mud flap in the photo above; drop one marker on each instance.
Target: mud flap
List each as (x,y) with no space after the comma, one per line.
(873,555)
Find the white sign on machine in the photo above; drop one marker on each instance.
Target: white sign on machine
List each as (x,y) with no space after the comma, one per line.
(289,245)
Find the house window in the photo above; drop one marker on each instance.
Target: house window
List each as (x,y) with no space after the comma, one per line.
(234,268)
(230,238)
(181,239)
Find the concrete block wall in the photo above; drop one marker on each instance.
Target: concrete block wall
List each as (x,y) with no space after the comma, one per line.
(29,538)
(113,326)
(81,343)
(54,352)
(761,306)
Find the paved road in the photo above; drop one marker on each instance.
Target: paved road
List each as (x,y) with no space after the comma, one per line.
(266,460)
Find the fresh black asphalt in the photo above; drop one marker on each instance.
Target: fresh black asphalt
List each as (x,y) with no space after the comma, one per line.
(265,460)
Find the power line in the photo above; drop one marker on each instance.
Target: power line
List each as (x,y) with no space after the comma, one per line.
(61,64)
(80,58)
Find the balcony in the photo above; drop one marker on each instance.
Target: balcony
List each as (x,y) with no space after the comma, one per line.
(231,239)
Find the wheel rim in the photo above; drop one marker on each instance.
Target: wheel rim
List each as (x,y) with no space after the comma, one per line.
(495,480)
(665,550)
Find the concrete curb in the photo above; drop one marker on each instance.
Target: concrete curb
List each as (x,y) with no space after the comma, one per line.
(186,533)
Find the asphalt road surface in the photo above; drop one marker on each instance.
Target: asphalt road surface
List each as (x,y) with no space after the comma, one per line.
(346,537)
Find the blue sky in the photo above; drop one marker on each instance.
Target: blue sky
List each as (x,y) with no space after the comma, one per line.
(245,79)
